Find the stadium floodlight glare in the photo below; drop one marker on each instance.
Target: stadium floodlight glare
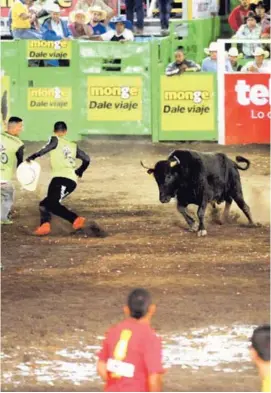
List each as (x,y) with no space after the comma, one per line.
(221,61)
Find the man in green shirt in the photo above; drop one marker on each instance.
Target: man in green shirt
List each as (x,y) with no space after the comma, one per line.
(12,151)
(63,154)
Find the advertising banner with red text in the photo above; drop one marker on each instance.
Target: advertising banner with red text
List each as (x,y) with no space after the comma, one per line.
(247,108)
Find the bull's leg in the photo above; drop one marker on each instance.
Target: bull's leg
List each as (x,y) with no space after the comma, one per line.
(201,212)
(190,221)
(244,207)
(226,212)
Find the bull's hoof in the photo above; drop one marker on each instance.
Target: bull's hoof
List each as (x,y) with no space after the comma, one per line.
(194,227)
(201,233)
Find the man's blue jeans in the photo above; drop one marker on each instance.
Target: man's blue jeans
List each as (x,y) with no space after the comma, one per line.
(164,10)
(26,34)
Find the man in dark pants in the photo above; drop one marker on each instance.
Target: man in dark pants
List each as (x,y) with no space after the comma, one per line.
(135,6)
(63,154)
(164,10)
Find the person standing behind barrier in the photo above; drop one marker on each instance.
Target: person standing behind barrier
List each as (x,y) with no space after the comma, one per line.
(181,65)
(119,31)
(238,14)
(56,24)
(164,11)
(12,151)
(260,64)
(137,6)
(251,30)
(79,25)
(260,354)
(21,20)
(97,15)
(86,4)
(63,161)
(131,356)
(209,64)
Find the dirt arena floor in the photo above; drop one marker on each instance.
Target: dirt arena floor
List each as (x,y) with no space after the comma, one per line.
(61,292)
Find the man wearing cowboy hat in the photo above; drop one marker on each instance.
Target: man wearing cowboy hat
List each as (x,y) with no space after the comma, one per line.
(233,56)
(119,31)
(209,64)
(97,15)
(56,24)
(259,64)
(79,24)
(86,4)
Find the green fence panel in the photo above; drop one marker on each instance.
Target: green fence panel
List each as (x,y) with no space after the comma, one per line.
(105,88)
(185,107)
(115,88)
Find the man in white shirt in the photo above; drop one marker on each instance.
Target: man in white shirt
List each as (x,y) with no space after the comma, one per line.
(259,64)
(119,31)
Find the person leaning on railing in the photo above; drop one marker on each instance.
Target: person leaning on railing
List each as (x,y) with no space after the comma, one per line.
(181,64)
(22,19)
(260,63)
(79,25)
(209,64)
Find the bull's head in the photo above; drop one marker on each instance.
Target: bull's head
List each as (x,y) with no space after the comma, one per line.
(166,176)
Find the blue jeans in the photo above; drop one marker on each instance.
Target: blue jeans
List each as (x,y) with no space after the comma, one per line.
(26,34)
(137,6)
(164,10)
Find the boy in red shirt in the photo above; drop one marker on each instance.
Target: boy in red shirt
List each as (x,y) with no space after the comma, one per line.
(238,14)
(131,357)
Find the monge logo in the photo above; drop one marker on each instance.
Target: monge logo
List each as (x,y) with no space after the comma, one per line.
(258,94)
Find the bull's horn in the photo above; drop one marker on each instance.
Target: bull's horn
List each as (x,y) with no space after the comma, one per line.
(175,162)
(143,165)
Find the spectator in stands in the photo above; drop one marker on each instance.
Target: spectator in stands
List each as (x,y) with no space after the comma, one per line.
(55,25)
(86,4)
(97,14)
(137,6)
(40,7)
(164,10)
(181,65)
(260,354)
(22,19)
(79,26)
(233,56)
(209,64)
(119,31)
(260,64)
(238,14)
(250,30)
(260,11)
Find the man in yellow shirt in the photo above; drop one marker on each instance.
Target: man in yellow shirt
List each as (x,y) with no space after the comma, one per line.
(260,354)
(21,21)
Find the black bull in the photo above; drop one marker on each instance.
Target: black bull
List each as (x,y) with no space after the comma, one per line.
(199,179)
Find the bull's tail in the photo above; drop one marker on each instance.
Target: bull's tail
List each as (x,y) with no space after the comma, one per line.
(242,159)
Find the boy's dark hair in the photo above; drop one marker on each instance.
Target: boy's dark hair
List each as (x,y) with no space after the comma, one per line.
(14,119)
(260,341)
(60,126)
(139,301)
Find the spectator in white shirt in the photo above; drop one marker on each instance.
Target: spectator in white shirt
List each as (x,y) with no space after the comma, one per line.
(260,64)
(56,24)
(250,30)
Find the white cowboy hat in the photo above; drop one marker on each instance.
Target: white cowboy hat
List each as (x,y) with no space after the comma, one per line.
(53,8)
(98,9)
(212,48)
(73,14)
(28,175)
(234,53)
(261,52)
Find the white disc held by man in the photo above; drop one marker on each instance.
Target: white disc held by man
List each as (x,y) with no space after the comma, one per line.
(28,174)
